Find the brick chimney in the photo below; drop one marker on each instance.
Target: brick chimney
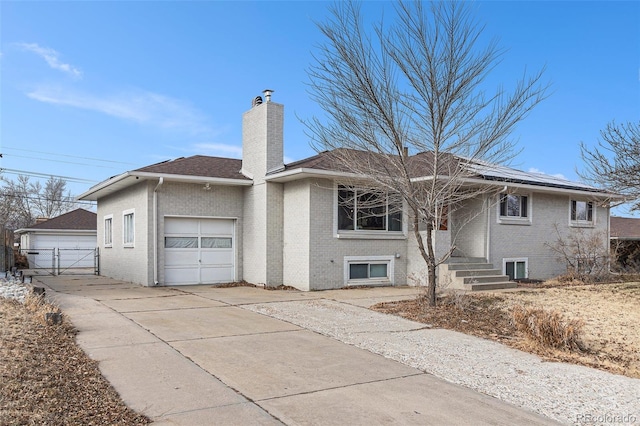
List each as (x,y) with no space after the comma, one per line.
(262,137)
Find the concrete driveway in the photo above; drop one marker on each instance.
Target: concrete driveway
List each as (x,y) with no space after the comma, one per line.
(195,356)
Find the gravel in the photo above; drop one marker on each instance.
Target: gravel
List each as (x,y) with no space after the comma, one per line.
(11,288)
(568,393)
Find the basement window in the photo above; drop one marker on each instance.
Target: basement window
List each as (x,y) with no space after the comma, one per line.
(368,270)
(515,268)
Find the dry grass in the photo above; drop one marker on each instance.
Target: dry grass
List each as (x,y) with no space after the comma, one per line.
(602,321)
(46,379)
(548,328)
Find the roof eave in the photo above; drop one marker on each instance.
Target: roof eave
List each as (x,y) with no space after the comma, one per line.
(302,173)
(546,188)
(193,179)
(129,178)
(70,231)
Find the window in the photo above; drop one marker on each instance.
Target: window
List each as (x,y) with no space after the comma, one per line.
(359,210)
(444,218)
(367,270)
(108,231)
(359,270)
(581,212)
(194,242)
(128,228)
(515,268)
(514,206)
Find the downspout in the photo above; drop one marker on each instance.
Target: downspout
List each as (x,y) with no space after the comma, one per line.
(155,231)
(489,208)
(488,233)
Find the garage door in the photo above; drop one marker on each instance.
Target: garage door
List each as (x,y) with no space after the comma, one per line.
(198,251)
(75,251)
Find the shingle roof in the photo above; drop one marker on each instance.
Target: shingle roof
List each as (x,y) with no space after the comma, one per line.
(418,164)
(79,219)
(625,228)
(421,164)
(199,165)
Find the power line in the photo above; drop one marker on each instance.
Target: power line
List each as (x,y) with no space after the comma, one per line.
(69,156)
(45,175)
(71,199)
(60,161)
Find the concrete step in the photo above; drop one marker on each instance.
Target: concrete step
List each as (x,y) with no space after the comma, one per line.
(467,260)
(477,272)
(470,266)
(490,286)
(485,279)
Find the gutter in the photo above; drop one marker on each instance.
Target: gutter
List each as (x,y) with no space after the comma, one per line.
(155,231)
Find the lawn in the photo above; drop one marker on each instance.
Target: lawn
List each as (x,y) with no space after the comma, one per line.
(45,378)
(610,314)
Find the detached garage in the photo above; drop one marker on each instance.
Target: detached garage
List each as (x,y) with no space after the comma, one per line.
(199,250)
(64,242)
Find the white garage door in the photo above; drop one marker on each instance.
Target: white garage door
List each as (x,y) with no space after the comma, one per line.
(198,251)
(74,251)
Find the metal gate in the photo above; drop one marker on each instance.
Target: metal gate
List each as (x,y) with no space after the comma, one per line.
(63,261)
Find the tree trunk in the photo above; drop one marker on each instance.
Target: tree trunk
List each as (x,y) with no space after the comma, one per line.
(429,257)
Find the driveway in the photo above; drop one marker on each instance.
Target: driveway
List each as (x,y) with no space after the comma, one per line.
(205,355)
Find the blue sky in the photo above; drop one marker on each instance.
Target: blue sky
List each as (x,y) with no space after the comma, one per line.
(91,89)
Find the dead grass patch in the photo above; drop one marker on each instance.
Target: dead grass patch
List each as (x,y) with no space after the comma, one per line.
(45,378)
(548,328)
(609,314)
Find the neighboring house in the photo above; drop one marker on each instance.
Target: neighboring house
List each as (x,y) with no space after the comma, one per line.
(65,241)
(201,220)
(625,243)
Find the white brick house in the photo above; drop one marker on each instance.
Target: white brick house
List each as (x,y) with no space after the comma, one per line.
(207,220)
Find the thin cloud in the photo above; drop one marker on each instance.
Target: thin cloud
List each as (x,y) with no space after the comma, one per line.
(557,175)
(219,149)
(139,106)
(52,57)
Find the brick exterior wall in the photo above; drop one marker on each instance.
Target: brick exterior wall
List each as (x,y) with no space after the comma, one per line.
(295,236)
(127,263)
(327,253)
(528,241)
(191,200)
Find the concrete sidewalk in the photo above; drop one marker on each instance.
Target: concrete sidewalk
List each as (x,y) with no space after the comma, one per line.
(193,355)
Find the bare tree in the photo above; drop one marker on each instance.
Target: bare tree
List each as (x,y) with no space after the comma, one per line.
(586,254)
(406,112)
(23,201)
(615,163)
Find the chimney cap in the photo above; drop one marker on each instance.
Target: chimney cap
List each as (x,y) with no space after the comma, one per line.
(267,94)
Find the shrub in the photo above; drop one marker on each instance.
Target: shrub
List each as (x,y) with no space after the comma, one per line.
(548,328)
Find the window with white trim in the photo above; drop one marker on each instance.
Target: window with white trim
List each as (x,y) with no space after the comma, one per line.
(128,228)
(362,270)
(515,268)
(362,210)
(108,230)
(581,213)
(514,206)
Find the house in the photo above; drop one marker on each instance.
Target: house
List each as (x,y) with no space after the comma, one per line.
(625,243)
(201,220)
(63,242)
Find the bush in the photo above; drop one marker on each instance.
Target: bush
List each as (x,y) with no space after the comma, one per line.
(548,328)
